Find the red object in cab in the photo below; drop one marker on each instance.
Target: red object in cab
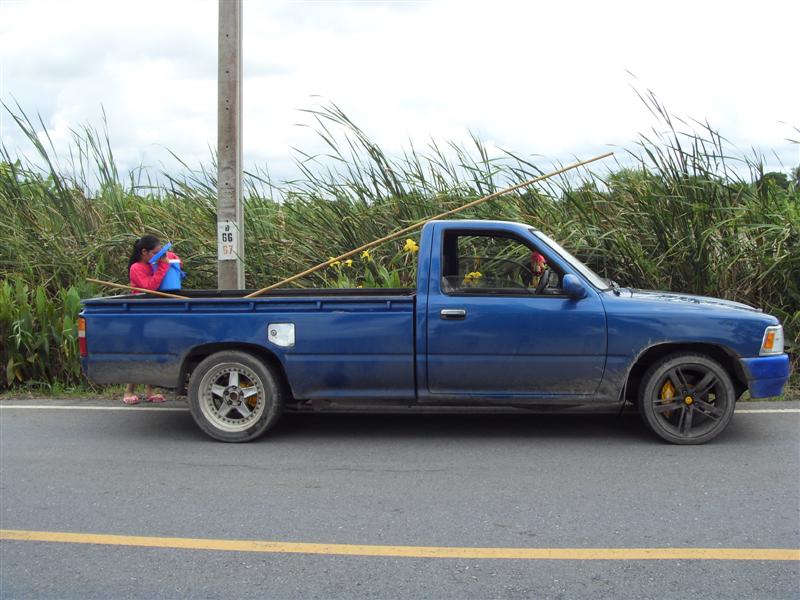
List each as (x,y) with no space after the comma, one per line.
(538,263)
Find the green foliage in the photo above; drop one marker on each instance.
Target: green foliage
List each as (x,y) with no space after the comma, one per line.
(684,212)
(40,335)
(394,271)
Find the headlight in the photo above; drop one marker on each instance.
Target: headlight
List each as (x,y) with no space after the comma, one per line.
(773,341)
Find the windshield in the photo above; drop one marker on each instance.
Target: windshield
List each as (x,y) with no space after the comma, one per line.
(593,277)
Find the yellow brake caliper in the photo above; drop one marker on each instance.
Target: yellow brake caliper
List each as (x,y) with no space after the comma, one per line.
(252,400)
(667,394)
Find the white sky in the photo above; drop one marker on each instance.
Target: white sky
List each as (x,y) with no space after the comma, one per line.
(533,77)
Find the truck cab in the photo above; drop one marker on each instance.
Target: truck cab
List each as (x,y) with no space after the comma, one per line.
(497,327)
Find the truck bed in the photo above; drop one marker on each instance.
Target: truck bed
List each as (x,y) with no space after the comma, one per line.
(349,343)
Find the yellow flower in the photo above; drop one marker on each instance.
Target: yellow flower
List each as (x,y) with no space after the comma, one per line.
(333,263)
(348,262)
(366,256)
(472,277)
(411,246)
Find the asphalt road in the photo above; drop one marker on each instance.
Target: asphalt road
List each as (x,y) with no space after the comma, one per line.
(477,481)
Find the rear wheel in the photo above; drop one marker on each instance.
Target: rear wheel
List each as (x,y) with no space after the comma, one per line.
(687,398)
(234,397)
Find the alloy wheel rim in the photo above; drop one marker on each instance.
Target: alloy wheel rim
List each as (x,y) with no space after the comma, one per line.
(689,401)
(232,397)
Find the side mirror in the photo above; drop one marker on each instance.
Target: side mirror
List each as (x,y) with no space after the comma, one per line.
(573,287)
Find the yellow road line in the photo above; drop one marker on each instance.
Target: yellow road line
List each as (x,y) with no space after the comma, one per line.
(762,554)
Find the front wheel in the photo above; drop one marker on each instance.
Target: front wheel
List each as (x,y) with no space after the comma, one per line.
(687,398)
(234,397)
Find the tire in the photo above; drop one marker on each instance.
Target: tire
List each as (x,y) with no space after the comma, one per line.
(221,392)
(687,398)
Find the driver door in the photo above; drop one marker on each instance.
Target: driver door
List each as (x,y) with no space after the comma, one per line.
(498,328)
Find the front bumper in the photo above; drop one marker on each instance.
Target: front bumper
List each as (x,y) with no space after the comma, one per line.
(766,375)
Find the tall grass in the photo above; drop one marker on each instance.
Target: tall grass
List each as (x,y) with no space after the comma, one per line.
(40,336)
(682,210)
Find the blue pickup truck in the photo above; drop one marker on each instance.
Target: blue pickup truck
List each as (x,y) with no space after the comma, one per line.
(502,316)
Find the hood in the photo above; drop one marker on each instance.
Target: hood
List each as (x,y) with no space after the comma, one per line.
(686,299)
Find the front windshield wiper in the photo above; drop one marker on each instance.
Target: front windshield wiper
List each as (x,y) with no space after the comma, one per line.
(614,286)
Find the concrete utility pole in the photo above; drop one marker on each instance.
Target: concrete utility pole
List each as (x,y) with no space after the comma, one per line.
(230,220)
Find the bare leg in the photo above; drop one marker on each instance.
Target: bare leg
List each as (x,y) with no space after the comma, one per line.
(151,395)
(130,394)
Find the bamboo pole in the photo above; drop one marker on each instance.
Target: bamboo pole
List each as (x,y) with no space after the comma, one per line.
(137,289)
(410,228)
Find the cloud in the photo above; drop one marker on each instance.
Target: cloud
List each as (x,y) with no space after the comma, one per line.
(537,78)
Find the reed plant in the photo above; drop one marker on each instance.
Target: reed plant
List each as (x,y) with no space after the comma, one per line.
(40,335)
(680,210)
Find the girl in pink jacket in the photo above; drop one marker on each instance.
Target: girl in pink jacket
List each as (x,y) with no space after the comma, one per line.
(143,275)
(141,272)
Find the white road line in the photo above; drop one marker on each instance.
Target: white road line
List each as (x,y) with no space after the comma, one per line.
(767,410)
(128,408)
(184,409)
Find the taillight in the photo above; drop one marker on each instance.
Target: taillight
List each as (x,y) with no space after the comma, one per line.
(82,336)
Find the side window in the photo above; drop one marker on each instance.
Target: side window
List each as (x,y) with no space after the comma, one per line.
(495,264)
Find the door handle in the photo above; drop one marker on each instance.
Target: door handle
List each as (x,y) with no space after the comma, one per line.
(453,314)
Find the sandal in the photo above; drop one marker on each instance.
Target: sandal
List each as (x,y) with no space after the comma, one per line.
(130,399)
(156,398)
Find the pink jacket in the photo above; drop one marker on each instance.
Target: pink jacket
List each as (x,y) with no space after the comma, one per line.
(142,275)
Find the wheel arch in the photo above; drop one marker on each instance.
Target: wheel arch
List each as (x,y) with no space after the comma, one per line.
(197,354)
(723,355)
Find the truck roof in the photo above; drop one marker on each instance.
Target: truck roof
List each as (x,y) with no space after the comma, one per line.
(482,224)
